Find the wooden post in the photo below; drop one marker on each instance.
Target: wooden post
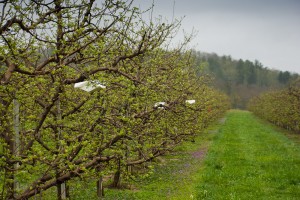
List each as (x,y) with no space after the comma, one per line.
(61,187)
(100,189)
(16,145)
(129,169)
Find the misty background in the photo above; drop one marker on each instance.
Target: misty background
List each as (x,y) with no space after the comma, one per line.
(263,30)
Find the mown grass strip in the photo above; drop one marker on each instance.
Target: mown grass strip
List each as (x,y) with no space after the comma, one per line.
(174,178)
(249,159)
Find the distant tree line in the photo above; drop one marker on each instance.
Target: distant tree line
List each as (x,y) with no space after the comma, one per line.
(241,79)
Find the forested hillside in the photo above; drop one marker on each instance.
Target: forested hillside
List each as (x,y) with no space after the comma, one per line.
(241,79)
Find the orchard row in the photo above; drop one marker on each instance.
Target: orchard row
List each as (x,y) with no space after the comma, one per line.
(91,90)
(280,107)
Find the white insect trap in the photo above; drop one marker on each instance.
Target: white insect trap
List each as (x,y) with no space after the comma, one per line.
(159,105)
(190,101)
(89,86)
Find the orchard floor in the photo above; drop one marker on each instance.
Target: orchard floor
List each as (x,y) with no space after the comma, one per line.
(251,159)
(241,157)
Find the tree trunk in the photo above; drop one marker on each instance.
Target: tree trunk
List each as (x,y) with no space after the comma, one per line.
(9,184)
(117,178)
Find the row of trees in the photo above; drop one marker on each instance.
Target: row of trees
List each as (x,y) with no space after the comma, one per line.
(242,79)
(279,107)
(137,107)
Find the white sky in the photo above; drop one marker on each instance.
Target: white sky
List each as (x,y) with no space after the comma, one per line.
(265,30)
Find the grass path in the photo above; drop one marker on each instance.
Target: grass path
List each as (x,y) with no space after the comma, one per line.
(250,160)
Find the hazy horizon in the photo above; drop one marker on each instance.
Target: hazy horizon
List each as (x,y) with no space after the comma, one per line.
(263,30)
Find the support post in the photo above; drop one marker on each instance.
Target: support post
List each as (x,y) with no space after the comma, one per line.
(61,187)
(100,189)
(16,144)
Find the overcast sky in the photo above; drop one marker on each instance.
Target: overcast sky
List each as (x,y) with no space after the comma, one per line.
(265,30)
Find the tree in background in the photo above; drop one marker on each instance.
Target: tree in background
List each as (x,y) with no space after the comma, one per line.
(284,77)
(242,80)
(240,72)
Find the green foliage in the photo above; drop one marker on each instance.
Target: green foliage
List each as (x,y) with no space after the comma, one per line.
(279,107)
(284,77)
(47,47)
(242,80)
(180,167)
(246,158)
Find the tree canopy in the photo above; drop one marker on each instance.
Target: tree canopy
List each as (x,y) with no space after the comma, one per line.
(52,131)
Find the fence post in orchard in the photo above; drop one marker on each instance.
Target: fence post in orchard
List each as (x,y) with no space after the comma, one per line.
(16,145)
(100,189)
(90,86)
(61,187)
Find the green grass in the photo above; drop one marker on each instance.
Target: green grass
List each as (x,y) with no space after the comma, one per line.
(249,159)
